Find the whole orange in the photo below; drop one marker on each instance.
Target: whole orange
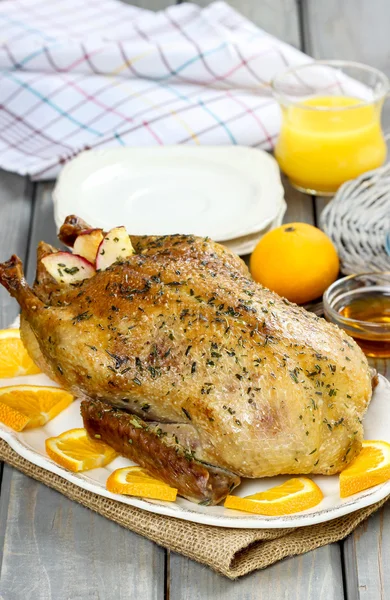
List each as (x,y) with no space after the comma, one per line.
(297,261)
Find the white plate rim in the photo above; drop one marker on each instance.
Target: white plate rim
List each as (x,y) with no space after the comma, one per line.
(246,244)
(85,163)
(248,521)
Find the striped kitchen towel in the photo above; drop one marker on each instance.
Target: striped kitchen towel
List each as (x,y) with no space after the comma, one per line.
(85,74)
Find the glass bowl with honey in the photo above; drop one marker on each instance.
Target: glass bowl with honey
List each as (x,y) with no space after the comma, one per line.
(360,304)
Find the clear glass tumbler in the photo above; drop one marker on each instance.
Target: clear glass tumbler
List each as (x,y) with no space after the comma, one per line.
(331,123)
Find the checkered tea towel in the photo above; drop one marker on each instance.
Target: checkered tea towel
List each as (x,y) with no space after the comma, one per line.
(82,74)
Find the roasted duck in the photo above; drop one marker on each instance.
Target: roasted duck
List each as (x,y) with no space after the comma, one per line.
(190,368)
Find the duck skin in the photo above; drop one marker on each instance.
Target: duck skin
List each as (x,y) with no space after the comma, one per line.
(158,450)
(179,334)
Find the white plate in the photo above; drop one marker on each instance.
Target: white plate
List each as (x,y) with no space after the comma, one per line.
(247,243)
(220,192)
(31,445)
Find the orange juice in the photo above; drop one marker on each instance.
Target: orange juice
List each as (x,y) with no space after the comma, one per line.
(324,141)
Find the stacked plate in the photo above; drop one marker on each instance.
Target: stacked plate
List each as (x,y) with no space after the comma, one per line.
(230,194)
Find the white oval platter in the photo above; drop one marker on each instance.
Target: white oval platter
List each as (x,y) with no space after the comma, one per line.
(31,446)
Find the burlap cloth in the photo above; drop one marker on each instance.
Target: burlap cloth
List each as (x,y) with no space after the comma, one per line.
(232,552)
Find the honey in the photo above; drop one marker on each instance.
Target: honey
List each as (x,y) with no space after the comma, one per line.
(369,306)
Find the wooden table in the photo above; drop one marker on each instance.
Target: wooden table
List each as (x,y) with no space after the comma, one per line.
(52,548)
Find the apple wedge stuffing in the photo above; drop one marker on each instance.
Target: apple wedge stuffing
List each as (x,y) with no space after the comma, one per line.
(114,247)
(68,268)
(87,244)
(92,251)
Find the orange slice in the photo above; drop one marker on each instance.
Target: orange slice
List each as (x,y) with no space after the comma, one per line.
(14,360)
(369,468)
(76,451)
(292,496)
(28,406)
(135,481)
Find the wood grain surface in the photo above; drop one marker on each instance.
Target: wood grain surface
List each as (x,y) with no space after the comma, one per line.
(53,549)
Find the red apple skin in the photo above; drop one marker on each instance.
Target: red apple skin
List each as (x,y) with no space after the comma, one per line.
(68,268)
(87,244)
(115,245)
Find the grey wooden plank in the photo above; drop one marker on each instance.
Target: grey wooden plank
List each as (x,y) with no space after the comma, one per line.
(320,202)
(150,4)
(367,557)
(366,552)
(278,17)
(354,30)
(15,212)
(314,575)
(42,225)
(55,549)
(351,30)
(300,206)
(317,574)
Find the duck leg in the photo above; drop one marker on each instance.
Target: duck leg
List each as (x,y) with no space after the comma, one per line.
(146,444)
(12,278)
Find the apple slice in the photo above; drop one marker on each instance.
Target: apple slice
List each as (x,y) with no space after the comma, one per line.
(115,246)
(68,268)
(87,244)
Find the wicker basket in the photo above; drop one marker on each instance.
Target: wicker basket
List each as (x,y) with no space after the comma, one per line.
(358,222)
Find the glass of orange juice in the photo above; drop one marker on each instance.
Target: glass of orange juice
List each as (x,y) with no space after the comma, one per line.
(331,123)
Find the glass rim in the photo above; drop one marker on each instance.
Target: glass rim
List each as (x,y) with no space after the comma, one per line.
(379,328)
(280,95)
